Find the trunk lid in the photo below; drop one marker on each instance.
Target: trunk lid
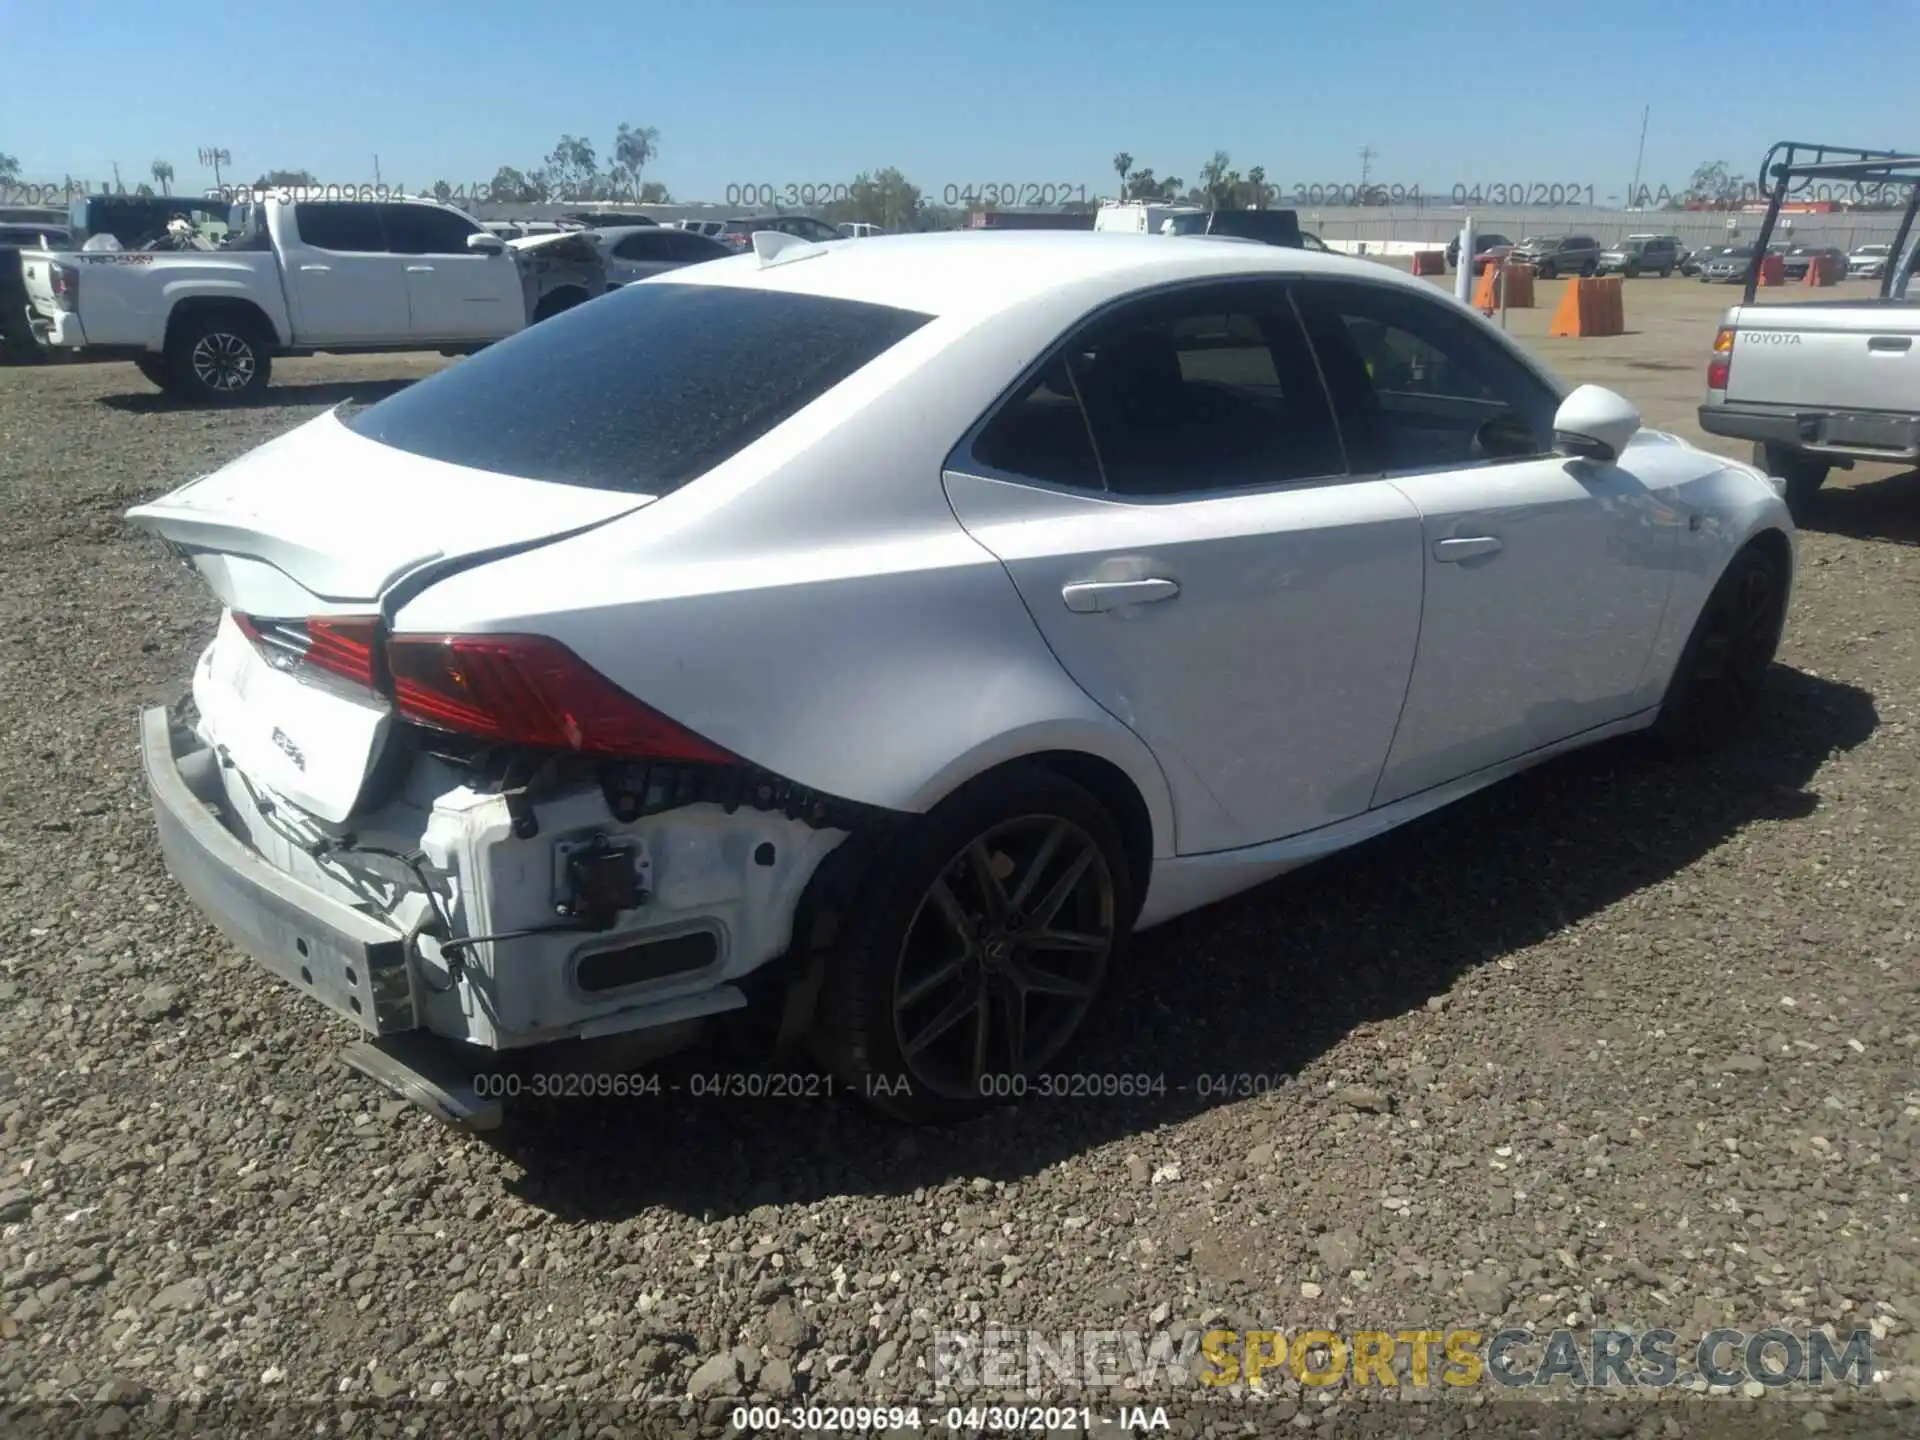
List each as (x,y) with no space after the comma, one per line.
(323,522)
(324,519)
(1849,355)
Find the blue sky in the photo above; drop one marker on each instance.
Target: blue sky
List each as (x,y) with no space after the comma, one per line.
(954,94)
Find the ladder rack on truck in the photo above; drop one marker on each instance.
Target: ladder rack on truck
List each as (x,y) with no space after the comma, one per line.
(1793,165)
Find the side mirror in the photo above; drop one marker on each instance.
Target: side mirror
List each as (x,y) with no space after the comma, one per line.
(1593,423)
(486,244)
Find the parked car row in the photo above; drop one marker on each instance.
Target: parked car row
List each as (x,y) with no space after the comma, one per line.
(300,277)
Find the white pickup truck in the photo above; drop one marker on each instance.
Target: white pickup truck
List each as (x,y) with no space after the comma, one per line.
(1823,383)
(298,277)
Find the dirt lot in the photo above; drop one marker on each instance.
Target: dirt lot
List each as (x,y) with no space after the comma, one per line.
(1620,1042)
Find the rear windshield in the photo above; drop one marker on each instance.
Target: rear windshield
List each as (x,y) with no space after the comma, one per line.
(641,390)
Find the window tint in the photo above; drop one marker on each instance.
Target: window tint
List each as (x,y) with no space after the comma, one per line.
(1417,386)
(645,245)
(642,390)
(343,226)
(683,246)
(426,230)
(1041,433)
(1206,390)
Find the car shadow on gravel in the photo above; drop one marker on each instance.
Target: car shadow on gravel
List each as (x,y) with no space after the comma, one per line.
(1885,509)
(275,397)
(1232,999)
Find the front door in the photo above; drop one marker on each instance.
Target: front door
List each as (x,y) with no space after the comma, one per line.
(1170,494)
(344,286)
(454,293)
(1546,577)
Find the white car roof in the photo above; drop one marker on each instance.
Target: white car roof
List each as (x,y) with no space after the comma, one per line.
(965,274)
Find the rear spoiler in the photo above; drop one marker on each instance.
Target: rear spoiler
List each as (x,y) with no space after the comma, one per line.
(1792,165)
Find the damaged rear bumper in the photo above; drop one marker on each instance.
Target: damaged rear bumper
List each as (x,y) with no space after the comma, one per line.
(352,962)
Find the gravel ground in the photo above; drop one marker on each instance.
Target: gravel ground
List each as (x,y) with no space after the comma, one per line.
(1622,1041)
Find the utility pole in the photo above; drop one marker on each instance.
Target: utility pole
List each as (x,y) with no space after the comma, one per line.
(376,171)
(1633,192)
(215,156)
(1367,154)
(118,188)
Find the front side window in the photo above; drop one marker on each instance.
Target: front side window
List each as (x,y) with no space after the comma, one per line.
(427,230)
(1417,386)
(1206,389)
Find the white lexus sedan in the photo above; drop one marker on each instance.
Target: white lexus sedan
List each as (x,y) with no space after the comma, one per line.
(876,635)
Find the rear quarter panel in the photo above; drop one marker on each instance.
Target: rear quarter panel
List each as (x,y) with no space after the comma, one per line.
(127,295)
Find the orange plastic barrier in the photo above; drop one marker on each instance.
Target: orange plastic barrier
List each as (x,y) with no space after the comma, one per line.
(1821,271)
(1429,262)
(1773,270)
(1511,285)
(1591,307)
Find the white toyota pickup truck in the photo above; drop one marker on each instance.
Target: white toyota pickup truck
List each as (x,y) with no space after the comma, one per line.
(1825,383)
(297,277)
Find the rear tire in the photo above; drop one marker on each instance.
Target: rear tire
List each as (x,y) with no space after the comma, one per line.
(1715,690)
(217,359)
(558,302)
(1804,475)
(954,983)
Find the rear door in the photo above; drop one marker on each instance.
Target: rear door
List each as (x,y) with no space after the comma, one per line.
(453,293)
(1169,493)
(344,285)
(1546,578)
(643,253)
(1849,355)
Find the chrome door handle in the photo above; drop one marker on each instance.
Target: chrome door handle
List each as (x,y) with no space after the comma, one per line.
(1088,597)
(419,269)
(1465,547)
(316,267)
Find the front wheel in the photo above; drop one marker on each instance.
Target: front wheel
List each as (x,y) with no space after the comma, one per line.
(219,360)
(1547,272)
(1589,269)
(1715,690)
(975,952)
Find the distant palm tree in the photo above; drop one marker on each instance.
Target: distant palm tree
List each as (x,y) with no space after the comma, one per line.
(9,170)
(1123,167)
(163,176)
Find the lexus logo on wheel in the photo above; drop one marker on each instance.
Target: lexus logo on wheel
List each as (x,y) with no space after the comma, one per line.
(289,749)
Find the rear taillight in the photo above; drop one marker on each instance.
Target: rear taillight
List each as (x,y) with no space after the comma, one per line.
(64,280)
(1721,365)
(529,690)
(508,689)
(329,649)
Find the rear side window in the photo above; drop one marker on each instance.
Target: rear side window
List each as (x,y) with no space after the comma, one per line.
(641,391)
(643,246)
(347,226)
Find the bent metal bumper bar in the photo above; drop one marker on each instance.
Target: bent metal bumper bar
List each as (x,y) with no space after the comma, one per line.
(355,964)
